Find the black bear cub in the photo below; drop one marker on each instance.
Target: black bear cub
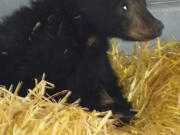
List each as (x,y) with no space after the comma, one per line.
(68,40)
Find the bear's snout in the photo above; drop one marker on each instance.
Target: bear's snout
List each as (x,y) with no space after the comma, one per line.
(157,28)
(145,28)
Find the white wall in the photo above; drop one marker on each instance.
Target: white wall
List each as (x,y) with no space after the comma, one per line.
(8,6)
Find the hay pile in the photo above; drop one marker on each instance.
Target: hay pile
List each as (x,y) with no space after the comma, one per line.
(37,115)
(151,81)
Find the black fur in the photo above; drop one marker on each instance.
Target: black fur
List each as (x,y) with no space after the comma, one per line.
(67,39)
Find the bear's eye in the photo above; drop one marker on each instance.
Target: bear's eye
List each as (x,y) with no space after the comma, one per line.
(124,8)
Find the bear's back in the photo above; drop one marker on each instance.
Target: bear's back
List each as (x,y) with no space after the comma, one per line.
(36,40)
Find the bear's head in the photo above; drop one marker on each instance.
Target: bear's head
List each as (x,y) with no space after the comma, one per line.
(127,19)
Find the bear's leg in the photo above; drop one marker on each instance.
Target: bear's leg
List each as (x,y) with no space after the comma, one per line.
(87,76)
(109,83)
(86,83)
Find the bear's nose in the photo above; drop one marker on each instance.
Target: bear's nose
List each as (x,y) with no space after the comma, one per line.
(158,27)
